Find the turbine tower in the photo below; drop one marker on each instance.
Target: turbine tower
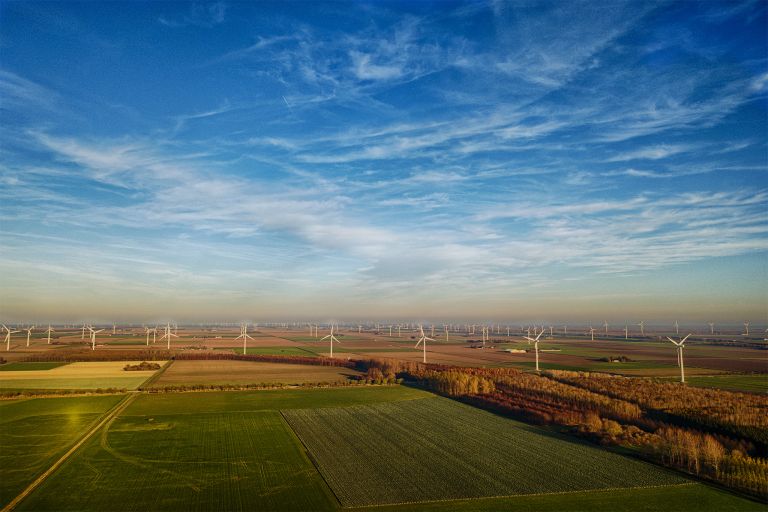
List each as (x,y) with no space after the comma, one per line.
(8,333)
(642,327)
(712,327)
(244,334)
(677,328)
(423,340)
(168,334)
(536,347)
(605,324)
(49,331)
(746,328)
(592,332)
(29,333)
(332,339)
(680,346)
(93,337)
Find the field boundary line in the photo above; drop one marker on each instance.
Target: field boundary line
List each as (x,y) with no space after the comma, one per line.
(310,457)
(151,380)
(40,479)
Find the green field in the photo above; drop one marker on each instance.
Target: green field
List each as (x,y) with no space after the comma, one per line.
(235,450)
(274,351)
(755,383)
(678,498)
(437,449)
(21,367)
(36,431)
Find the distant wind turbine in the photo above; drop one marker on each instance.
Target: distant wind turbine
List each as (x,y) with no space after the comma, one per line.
(536,347)
(29,333)
(49,331)
(677,328)
(168,335)
(642,327)
(244,334)
(93,337)
(332,338)
(8,333)
(423,340)
(680,346)
(711,327)
(746,328)
(592,332)
(605,324)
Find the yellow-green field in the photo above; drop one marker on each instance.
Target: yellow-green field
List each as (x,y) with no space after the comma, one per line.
(90,375)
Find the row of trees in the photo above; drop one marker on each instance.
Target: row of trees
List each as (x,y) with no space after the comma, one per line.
(742,414)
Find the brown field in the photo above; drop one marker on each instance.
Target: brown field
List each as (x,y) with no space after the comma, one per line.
(226,372)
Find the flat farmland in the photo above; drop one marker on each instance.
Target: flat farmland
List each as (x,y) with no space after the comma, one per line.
(223,461)
(223,372)
(36,431)
(438,449)
(88,375)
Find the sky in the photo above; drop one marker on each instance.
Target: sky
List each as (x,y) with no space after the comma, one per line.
(431,161)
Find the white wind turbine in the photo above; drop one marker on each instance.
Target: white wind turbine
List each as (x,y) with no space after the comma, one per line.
(168,335)
(642,327)
(677,328)
(680,346)
(29,333)
(423,340)
(49,331)
(149,331)
(8,333)
(626,332)
(592,332)
(712,327)
(244,334)
(93,337)
(332,338)
(536,347)
(605,324)
(746,328)
(82,335)
(446,334)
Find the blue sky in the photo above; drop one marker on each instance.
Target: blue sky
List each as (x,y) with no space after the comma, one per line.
(501,161)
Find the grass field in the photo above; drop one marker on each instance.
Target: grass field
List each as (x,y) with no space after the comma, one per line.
(274,351)
(235,451)
(248,372)
(36,431)
(91,375)
(19,366)
(756,383)
(437,449)
(223,461)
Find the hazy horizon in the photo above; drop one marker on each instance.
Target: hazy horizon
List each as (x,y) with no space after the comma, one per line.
(245,161)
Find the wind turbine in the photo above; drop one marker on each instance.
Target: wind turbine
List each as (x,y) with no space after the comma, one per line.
(677,329)
(244,334)
(712,327)
(642,327)
(605,324)
(746,328)
(168,334)
(626,332)
(8,333)
(536,347)
(93,337)
(592,332)
(82,335)
(680,346)
(332,338)
(49,331)
(29,333)
(423,340)
(149,331)
(446,334)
